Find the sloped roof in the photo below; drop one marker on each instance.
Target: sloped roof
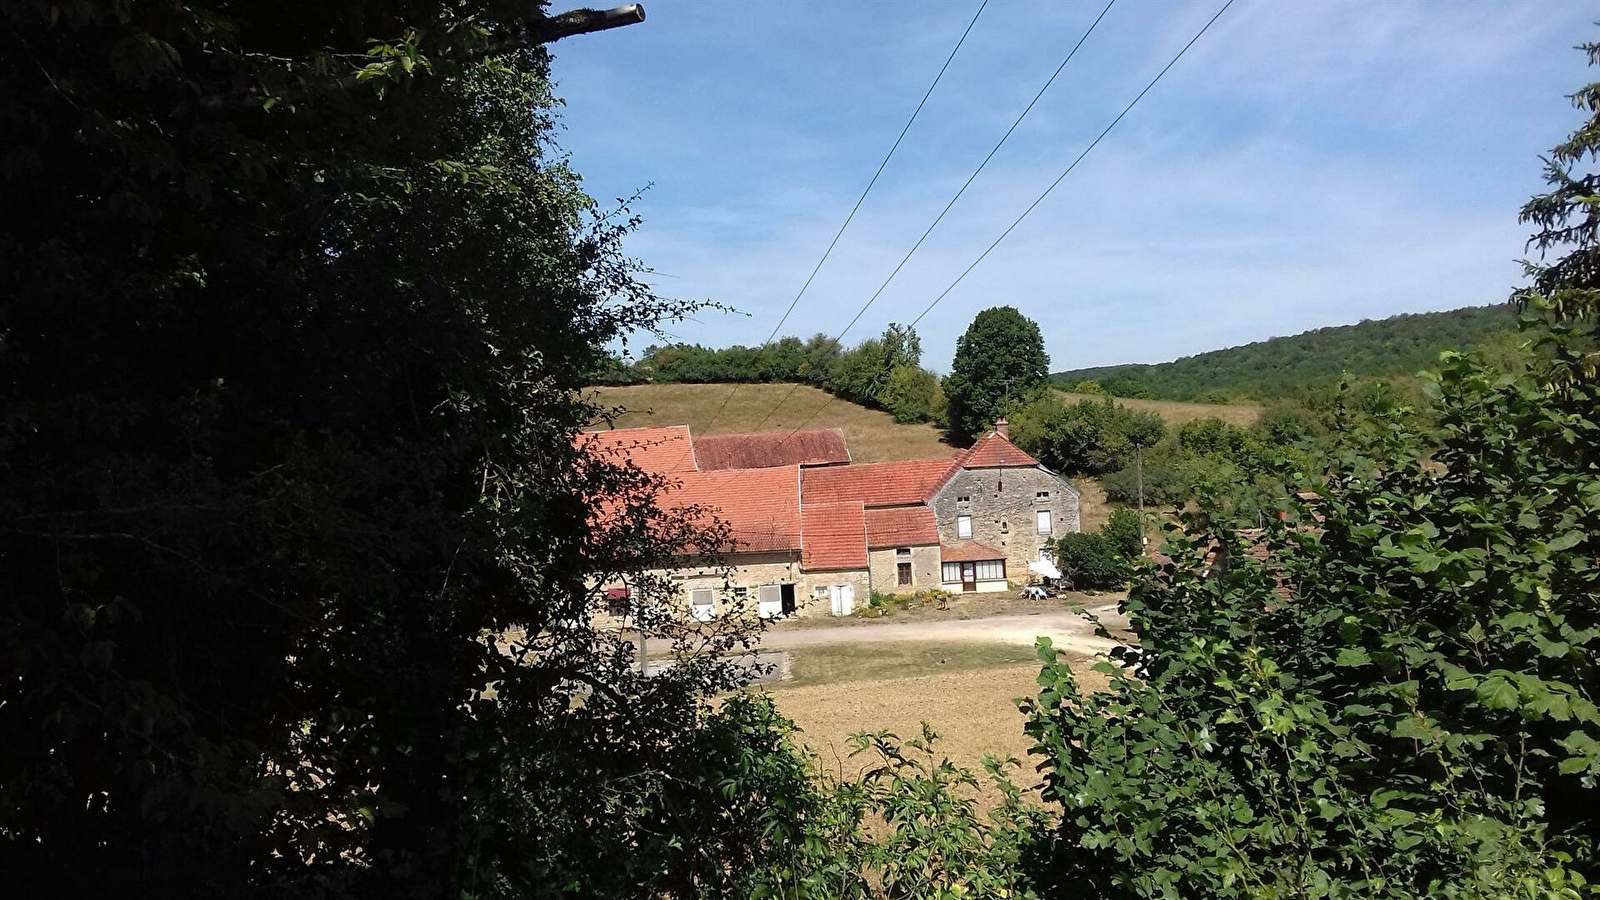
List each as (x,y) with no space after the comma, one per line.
(875,484)
(901,526)
(994,450)
(968,551)
(835,536)
(666,450)
(822,446)
(761,506)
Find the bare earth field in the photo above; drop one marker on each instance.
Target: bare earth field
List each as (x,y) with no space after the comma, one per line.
(1175,414)
(872,436)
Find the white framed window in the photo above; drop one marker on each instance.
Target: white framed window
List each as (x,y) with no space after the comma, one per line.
(992,570)
(819,592)
(1047,554)
(1043,522)
(950,573)
(964,527)
(702,604)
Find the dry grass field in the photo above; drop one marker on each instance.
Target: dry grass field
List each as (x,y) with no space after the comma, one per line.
(1175,414)
(973,709)
(872,436)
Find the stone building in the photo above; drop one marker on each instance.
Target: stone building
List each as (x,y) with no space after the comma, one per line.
(816,534)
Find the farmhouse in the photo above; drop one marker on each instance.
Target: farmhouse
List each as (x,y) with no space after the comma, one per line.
(813,531)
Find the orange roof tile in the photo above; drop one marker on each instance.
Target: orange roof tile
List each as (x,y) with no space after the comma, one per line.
(968,551)
(761,506)
(835,536)
(822,446)
(993,450)
(875,484)
(664,451)
(901,526)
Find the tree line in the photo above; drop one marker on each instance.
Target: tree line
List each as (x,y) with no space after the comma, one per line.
(1286,368)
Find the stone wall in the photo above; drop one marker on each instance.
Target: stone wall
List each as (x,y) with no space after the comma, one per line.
(884,563)
(808,604)
(1003,503)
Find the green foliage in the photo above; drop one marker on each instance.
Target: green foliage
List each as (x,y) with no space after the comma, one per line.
(1123,531)
(883,372)
(1091,561)
(1418,718)
(910,827)
(299,553)
(1281,368)
(999,360)
(1089,437)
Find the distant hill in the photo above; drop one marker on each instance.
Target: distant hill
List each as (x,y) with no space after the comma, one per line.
(1397,346)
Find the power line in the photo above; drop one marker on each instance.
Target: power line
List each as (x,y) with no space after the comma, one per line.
(940,217)
(1040,199)
(854,209)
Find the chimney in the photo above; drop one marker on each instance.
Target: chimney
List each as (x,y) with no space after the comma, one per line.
(1002,428)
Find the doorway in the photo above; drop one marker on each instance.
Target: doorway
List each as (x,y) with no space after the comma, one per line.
(969,576)
(844,599)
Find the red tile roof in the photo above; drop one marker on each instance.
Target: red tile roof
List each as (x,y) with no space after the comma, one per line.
(835,536)
(823,446)
(761,506)
(992,451)
(664,451)
(875,484)
(901,526)
(968,551)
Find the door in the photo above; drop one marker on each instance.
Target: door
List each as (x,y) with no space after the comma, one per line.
(787,599)
(844,599)
(702,605)
(969,576)
(769,601)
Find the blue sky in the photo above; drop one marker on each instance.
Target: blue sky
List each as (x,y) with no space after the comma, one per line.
(1305,164)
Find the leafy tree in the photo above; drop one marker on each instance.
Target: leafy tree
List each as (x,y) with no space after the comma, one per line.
(999,359)
(1090,437)
(909,394)
(1123,530)
(299,549)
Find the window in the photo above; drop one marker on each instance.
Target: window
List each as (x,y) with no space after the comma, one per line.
(1042,495)
(741,594)
(992,570)
(1005,527)
(1046,554)
(702,604)
(964,527)
(903,573)
(903,553)
(819,592)
(950,573)
(963,499)
(1044,521)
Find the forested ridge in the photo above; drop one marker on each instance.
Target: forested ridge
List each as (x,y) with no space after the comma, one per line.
(1277,368)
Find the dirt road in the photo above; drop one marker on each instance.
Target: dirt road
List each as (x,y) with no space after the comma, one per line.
(1068,630)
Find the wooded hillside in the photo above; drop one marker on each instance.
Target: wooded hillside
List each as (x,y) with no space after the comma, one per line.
(1278,367)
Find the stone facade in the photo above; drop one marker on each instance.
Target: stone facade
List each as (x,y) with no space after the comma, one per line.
(738,587)
(884,563)
(1004,504)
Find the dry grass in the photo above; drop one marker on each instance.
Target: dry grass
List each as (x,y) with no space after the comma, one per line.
(872,436)
(975,711)
(1175,414)
(1094,508)
(834,663)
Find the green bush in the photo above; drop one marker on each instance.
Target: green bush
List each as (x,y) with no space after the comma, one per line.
(1122,530)
(1091,562)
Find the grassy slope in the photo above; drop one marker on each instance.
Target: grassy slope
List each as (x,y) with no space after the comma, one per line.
(1397,346)
(1174,413)
(872,435)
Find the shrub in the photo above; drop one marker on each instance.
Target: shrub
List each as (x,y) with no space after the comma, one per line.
(1123,531)
(1091,562)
